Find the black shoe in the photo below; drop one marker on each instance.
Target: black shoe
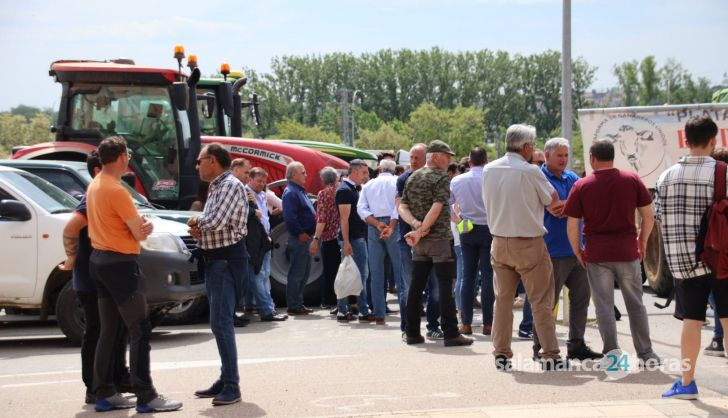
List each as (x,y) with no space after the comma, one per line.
(334,311)
(458,341)
(581,351)
(228,395)
(307,309)
(274,317)
(345,317)
(418,339)
(503,363)
(210,392)
(554,364)
(389,311)
(240,322)
(366,318)
(90,398)
(301,310)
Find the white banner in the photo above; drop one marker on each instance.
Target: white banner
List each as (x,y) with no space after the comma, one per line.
(647,140)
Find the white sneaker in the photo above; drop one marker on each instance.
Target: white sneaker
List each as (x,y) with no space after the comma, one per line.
(115,401)
(158,404)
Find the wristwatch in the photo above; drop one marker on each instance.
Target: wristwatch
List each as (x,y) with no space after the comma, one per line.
(315,238)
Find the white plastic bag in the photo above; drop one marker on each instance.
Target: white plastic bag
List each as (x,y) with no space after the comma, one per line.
(348,279)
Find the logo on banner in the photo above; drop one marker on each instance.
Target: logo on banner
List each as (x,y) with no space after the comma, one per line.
(639,142)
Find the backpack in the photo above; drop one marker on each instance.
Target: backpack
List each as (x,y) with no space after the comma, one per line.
(712,244)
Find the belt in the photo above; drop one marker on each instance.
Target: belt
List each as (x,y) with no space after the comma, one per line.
(519,238)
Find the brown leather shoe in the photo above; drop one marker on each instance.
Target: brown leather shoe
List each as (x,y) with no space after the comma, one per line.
(458,341)
(487,329)
(466,329)
(381,321)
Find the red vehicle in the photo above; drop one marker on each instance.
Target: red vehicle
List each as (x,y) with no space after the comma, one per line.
(156,111)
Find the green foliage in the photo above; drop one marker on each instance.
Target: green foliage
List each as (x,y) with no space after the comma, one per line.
(628,80)
(642,83)
(720,96)
(392,84)
(23,129)
(291,129)
(462,128)
(383,138)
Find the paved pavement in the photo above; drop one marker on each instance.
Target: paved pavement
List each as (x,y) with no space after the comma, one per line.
(314,366)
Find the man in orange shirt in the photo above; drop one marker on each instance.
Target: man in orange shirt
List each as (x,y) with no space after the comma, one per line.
(115,229)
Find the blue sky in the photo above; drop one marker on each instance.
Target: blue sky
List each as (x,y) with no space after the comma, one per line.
(248,34)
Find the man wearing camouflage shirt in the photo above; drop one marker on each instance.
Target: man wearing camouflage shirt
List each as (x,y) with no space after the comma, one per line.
(424,206)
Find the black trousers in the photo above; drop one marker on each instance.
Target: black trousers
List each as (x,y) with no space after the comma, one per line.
(90,304)
(331,258)
(121,301)
(445,273)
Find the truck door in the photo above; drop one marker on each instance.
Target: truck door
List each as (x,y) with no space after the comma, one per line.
(18,254)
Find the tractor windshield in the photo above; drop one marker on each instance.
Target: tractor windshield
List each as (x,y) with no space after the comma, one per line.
(145,117)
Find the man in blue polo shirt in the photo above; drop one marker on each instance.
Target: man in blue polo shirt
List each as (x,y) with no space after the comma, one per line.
(567,269)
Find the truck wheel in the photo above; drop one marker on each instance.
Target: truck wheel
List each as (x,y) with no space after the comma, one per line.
(655,265)
(69,314)
(279,271)
(187,312)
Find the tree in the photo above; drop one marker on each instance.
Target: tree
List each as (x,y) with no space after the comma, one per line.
(16,130)
(628,80)
(384,138)
(649,83)
(291,129)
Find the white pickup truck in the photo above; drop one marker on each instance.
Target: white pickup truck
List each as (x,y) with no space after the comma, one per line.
(33,214)
(648,140)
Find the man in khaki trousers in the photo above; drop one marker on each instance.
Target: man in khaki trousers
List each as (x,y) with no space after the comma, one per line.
(515,194)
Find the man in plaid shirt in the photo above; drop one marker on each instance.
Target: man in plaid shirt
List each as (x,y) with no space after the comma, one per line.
(220,232)
(684,192)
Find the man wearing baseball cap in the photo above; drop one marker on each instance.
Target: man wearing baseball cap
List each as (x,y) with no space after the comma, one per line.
(424,206)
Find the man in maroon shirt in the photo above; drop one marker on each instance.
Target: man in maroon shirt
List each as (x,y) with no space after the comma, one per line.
(606,200)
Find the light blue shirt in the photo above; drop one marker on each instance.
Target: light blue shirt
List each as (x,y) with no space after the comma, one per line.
(467,190)
(378,197)
(262,202)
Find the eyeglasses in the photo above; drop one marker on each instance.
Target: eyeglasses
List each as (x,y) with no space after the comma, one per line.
(199,160)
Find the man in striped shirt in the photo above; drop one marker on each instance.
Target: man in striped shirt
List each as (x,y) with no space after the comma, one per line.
(220,232)
(684,192)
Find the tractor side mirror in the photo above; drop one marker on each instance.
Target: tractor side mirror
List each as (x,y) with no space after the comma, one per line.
(180,95)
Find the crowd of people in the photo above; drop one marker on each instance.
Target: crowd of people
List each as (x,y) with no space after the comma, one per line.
(435,234)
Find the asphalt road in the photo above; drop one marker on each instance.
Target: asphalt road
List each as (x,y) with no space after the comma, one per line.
(314,366)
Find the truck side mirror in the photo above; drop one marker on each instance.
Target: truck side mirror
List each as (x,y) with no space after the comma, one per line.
(13,210)
(180,95)
(226,98)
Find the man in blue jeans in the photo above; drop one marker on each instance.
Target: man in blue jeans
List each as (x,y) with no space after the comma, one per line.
(352,237)
(258,243)
(467,191)
(300,219)
(220,232)
(377,208)
(418,154)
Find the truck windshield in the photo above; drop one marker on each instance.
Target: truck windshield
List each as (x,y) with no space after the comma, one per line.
(145,117)
(46,195)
